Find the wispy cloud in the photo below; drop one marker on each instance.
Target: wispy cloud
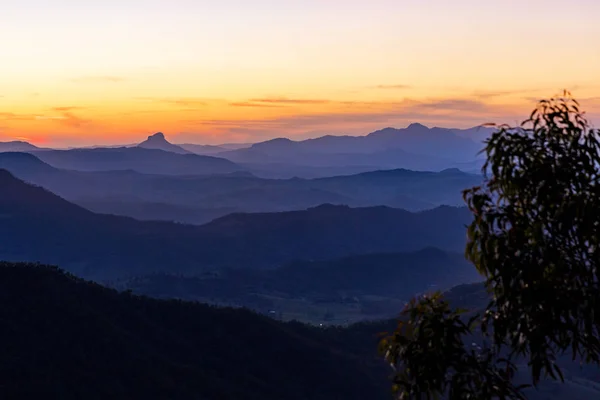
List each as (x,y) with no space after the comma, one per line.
(253,104)
(68,108)
(393,87)
(73,120)
(285,100)
(63,116)
(10,116)
(361,117)
(98,79)
(49,117)
(453,105)
(178,101)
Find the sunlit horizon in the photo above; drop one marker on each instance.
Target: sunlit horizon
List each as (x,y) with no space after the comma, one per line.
(210,73)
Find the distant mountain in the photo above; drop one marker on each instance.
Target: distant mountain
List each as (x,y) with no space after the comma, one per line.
(40,226)
(16,146)
(416,147)
(151,161)
(477,133)
(66,338)
(291,155)
(202,148)
(200,199)
(234,146)
(154,211)
(159,142)
(440,142)
(281,170)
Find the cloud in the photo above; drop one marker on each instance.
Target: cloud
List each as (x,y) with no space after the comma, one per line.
(544,93)
(393,87)
(285,100)
(453,105)
(178,101)
(10,116)
(490,94)
(272,102)
(593,100)
(252,104)
(67,108)
(365,117)
(48,117)
(387,112)
(74,121)
(98,79)
(66,117)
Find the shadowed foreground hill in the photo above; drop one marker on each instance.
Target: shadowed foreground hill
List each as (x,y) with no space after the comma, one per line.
(340,291)
(62,337)
(398,275)
(37,225)
(331,292)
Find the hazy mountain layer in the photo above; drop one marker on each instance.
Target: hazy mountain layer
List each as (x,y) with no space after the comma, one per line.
(40,226)
(199,199)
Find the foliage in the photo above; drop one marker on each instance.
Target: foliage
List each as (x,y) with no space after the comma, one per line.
(63,337)
(428,348)
(535,238)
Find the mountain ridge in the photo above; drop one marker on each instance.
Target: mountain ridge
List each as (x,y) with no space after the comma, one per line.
(159,142)
(40,226)
(239,191)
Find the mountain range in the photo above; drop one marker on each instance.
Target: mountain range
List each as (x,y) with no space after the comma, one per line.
(40,226)
(416,147)
(17,146)
(152,161)
(199,199)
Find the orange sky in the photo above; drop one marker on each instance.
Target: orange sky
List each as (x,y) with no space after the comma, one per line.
(208,72)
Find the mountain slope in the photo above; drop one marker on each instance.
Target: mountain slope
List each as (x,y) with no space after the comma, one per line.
(202,148)
(347,289)
(71,339)
(202,197)
(16,146)
(151,161)
(416,147)
(159,142)
(40,226)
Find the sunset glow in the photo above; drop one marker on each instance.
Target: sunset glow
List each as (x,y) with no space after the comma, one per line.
(77,73)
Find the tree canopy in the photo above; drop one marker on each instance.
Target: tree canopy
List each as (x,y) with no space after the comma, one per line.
(534,237)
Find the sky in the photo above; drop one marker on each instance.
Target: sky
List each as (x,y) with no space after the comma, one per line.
(78,72)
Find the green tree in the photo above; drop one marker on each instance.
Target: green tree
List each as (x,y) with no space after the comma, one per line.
(535,239)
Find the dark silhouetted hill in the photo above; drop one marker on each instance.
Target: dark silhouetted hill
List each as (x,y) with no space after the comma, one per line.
(369,286)
(66,338)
